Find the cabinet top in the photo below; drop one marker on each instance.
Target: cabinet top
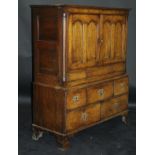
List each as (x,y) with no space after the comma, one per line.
(80,6)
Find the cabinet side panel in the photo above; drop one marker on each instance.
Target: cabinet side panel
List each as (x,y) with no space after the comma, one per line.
(48,108)
(45,45)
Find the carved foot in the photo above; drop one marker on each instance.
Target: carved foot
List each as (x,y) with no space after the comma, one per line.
(63,142)
(36,134)
(125,119)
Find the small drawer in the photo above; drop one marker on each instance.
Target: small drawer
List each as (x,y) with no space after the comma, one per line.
(80,118)
(100,92)
(121,86)
(114,106)
(76,98)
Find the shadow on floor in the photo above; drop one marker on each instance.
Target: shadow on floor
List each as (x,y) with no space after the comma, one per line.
(109,138)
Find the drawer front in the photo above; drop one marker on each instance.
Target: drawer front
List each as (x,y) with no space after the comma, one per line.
(76,98)
(100,92)
(121,86)
(79,118)
(114,106)
(92,114)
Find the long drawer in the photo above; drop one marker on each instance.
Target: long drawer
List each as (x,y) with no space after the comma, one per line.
(114,106)
(81,117)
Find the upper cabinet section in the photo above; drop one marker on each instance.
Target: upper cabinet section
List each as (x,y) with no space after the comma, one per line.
(73,43)
(83,32)
(96,39)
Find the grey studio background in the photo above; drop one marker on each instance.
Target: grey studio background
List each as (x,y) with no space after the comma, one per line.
(25,52)
(109,138)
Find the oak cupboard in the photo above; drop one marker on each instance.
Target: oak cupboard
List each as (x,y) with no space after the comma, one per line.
(79,68)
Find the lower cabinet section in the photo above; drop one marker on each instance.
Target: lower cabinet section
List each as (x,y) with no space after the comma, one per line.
(85,116)
(67,111)
(114,106)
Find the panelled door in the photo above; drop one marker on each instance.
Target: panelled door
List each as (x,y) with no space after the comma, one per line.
(83,34)
(112,39)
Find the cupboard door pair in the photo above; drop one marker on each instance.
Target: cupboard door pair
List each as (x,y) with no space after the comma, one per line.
(95,40)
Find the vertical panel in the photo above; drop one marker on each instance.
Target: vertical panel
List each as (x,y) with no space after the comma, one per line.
(106,46)
(47,60)
(70,46)
(113,34)
(118,40)
(77,50)
(47,30)
(48,109)
(123,41)
(91,41)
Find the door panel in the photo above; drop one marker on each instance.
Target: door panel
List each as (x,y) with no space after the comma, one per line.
(77,43)
(92,36)
(113,36)
(83,40)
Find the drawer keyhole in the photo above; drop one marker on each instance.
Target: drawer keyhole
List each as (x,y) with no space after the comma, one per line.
(84,116)
(101,92)
(75,98)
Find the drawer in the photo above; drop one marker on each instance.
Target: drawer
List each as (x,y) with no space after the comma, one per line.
(100,92)
(121,86)
(79,118)
(76,98)
(114,106)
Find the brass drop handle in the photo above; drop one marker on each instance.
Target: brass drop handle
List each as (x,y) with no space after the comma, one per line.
(75,98)
(101,92)
(84,116)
